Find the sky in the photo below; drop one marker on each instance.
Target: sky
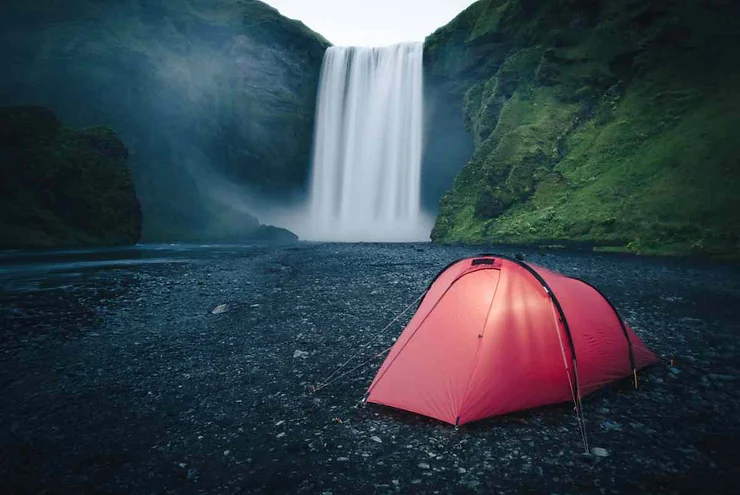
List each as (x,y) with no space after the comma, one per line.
(372,22)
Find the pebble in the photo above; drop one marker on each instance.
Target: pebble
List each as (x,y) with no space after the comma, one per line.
(599,452)
(462,470)
(724,378)
(221,308)
(376,439)
(611,426)
(300,354)
(424,465)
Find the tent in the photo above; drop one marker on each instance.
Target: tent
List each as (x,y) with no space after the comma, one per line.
(494,335)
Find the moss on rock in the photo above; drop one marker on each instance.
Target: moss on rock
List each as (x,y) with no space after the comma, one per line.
(61,187)
(607,123)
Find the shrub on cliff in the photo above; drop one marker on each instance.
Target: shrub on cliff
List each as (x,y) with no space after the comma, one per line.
(63,187)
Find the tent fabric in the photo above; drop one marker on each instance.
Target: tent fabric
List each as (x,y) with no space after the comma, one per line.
(488,339)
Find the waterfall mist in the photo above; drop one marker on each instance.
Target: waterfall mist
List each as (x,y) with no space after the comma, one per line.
(366,178)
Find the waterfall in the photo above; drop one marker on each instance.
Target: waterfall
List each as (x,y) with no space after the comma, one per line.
(365,183)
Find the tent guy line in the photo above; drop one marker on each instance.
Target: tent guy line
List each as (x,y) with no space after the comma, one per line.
(331,378)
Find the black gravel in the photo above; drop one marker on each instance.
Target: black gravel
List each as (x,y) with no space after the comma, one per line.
(117,378)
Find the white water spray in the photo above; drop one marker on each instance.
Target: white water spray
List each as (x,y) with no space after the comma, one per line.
(367,148)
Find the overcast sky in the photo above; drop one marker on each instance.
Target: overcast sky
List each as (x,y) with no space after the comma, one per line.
(372,22)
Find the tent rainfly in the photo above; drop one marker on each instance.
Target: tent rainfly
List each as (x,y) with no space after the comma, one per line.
(495,335)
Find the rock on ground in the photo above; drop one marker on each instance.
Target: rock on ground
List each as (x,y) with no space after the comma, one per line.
(115,377)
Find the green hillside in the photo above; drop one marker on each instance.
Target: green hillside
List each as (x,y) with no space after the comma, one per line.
(612,123)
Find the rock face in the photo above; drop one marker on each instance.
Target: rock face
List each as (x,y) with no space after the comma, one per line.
(61,187)
(611,123)
(215,100)
(271,233)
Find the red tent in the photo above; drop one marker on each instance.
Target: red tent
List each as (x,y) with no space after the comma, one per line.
(495,335)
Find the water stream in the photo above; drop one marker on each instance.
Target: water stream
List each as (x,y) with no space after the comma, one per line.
(365,184)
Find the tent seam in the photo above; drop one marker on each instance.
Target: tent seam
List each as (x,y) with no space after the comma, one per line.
(480,341)
(457,278)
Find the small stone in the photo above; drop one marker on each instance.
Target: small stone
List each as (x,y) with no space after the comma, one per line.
(342,459)
(300,354)
(282,422)
(674,370)
(182,465)
(280,435)
(416,481)
(599,452)
(611,426)
(723,378)
(376,439)
(227,452)
(539,470)
(221,308)
(424,465)
(462,470)
(395,482)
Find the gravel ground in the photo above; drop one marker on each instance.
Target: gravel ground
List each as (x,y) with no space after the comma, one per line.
(116,377)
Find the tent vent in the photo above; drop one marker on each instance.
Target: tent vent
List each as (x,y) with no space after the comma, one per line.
(485,261)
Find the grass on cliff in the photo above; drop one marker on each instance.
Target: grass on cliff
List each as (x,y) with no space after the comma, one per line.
(620,132)
(659,174)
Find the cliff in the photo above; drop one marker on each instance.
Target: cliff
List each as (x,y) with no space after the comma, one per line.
(61,187)
(611,123)
(209,96)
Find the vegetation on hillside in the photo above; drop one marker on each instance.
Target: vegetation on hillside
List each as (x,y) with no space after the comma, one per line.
(61,187)
(612,123)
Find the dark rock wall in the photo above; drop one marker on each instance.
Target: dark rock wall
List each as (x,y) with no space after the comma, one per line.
(61,187)
(207,95)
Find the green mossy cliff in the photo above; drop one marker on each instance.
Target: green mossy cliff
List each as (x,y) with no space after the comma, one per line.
(215,99)
(613,123)
(61,187)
